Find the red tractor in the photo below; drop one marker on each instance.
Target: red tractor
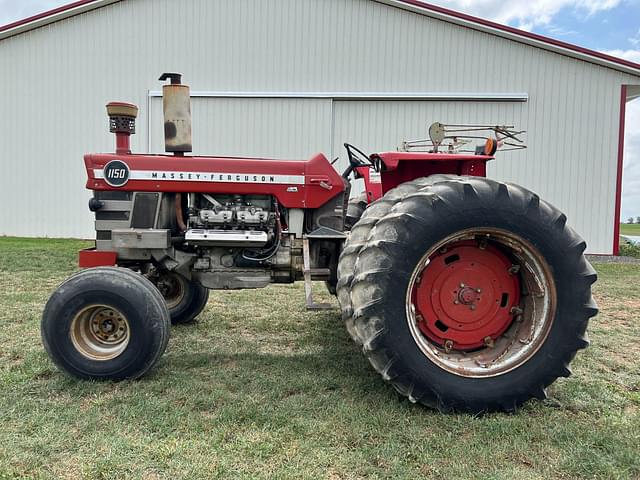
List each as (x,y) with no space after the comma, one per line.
(464,293)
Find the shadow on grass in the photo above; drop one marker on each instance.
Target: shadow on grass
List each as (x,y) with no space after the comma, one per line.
(202,377)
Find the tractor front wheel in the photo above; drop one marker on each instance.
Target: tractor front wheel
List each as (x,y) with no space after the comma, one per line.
(472,295)
(185,298)
(105,324)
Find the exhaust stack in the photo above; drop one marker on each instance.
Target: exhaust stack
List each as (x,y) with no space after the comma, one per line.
(176,105)
(122,122)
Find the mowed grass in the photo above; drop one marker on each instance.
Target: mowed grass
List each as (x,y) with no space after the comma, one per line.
(260,388)
(630,229)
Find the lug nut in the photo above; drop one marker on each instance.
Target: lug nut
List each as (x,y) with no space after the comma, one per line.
(448,345)
(488,342)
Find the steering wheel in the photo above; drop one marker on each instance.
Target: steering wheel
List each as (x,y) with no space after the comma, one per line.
(357,158)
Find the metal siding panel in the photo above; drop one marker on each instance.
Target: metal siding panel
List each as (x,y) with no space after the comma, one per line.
(263,127)
(384,125)
(65,72)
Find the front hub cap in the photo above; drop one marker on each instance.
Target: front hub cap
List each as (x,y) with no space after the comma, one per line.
(465,294)
(100,332)
(481,302)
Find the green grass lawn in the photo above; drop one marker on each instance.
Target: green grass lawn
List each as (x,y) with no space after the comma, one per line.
(633,229)
(260,388)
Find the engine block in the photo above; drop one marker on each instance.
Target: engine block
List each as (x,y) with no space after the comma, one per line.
(236,212)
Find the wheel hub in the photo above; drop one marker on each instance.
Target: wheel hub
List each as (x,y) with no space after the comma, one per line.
(465,295)
(100,332)
(108,325)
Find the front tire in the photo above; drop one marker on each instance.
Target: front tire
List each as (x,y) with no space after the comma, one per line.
(185,298)
(472,295)
(105,324)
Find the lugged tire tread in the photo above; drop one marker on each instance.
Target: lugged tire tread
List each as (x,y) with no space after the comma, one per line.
(449,192)
(360,232)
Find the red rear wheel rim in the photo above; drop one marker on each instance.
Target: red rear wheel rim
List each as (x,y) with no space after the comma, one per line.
(465,295)
(512,314)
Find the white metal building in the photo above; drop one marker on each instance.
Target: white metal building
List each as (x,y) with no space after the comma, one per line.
(288,78)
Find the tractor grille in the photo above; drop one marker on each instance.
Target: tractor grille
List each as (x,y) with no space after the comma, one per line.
(121,211)
(113,195)
(144,210)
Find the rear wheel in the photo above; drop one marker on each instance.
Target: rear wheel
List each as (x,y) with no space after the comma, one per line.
(358,237)
(355,209)
(185,298)
(105,323)
(472,295)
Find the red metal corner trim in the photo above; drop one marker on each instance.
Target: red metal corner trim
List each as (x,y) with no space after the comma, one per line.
(521,33)
(46,14)
(616,225)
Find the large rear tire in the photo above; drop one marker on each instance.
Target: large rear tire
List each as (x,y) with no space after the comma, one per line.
(355,209)
(358,237)
(105,324)
(472,295)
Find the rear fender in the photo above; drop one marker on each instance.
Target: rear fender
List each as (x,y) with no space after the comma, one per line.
(372,182)
(400,167)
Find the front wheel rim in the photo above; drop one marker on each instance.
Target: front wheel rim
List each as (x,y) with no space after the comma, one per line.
(100,332)
(173,289)
(466,339)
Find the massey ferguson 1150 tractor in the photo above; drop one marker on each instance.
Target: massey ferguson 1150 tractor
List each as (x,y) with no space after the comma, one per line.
(465,293)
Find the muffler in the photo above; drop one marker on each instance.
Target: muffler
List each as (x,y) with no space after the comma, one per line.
(176,105)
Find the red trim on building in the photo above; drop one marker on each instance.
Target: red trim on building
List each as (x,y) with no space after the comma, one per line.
(616,225)
(46,14)
(520,33)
